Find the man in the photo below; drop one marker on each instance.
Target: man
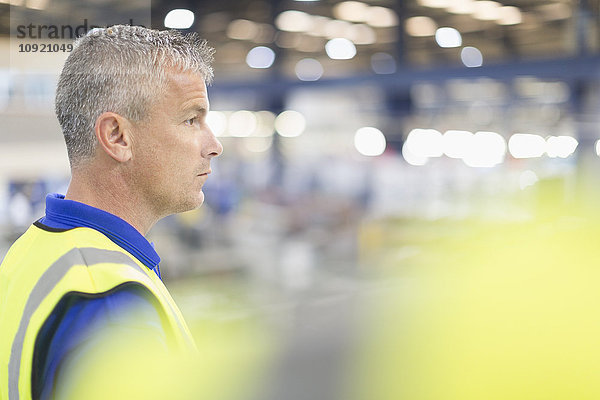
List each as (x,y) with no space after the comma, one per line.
(132,104)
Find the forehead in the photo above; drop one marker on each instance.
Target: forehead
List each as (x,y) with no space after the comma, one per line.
(185,87)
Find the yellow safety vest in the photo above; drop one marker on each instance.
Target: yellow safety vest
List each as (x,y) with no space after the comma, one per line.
(43,266)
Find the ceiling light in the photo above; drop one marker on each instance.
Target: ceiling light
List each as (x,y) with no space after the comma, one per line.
(509,16)
(471,57)
(369,141)
(381,17)
(487,150)
(456,143)
(448,37)
(354,11)
(420,26)
(290,123)
(425,143)
(242,29)
(260,57)
(217,122)
(340,49)
(524,145)
(487,10)
(294,21)
(179,19)
(461,7)
(308,69)
(265,124)
(242,123)
(560,146)
(411,158)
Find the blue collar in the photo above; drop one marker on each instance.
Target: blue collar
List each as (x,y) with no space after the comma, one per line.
(68,214)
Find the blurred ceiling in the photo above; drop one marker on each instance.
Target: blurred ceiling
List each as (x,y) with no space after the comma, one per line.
(384,34)
(500,31)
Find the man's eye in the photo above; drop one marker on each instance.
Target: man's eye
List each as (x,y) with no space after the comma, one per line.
(191,121)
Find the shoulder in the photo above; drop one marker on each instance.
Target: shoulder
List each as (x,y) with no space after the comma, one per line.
(43,250)
(43,244)
(80,320)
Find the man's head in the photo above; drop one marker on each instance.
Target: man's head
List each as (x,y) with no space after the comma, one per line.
(134,100)
(120,69)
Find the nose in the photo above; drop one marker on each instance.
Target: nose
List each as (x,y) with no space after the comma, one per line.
(212,146)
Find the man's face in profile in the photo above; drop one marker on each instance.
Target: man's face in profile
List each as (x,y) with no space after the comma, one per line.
(173,146)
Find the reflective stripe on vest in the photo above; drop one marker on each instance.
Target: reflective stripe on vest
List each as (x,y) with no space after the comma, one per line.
(43,287)
(83,250)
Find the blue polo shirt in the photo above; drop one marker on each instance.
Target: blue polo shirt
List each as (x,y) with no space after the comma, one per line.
(69,214)
(69,331)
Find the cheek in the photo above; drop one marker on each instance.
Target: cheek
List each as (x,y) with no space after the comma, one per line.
(187,153)
(162,151)
(172,152)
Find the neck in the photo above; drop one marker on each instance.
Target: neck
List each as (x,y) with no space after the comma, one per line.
(109,192)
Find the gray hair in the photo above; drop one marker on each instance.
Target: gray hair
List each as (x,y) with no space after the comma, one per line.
(120,69)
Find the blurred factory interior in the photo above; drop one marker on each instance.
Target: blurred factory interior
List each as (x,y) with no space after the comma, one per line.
(373,149)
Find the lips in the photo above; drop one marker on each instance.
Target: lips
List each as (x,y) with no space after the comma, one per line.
(206,173)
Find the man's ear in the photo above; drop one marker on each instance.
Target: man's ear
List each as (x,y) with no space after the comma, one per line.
(114,135)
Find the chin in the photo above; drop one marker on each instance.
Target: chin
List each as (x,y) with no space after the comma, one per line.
(179,204)
(195,202)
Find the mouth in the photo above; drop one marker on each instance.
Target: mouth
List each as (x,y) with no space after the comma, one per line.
(206,173)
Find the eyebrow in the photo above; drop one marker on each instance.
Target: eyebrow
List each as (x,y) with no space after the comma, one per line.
(197,108)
